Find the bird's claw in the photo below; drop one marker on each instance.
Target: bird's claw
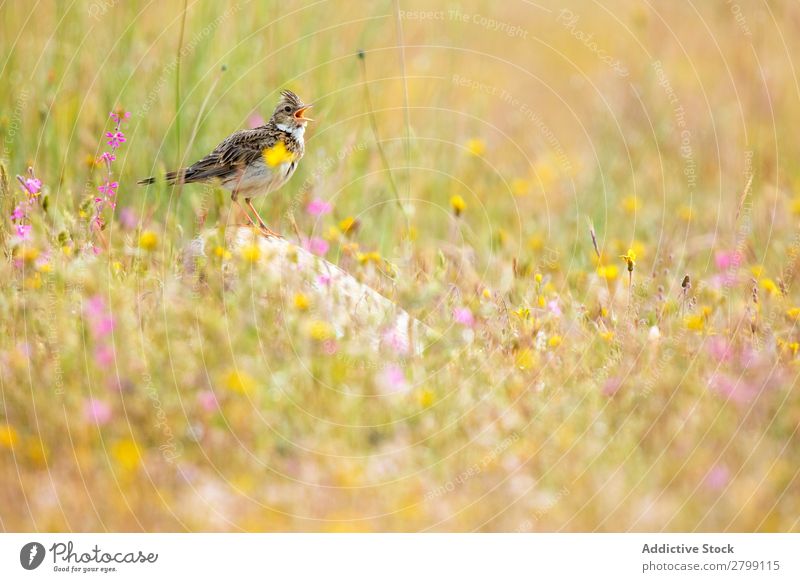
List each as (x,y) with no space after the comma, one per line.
(268,232)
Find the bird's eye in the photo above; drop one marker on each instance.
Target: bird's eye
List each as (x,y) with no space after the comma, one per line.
(287,109)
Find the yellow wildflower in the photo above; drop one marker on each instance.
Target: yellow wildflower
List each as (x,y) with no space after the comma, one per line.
(608,272)
(698,322)
(8,436)
(425,397)
(695,322)
(523,313)
(348,225)
(525,359)
(638,249)
(520,187)
(34,281)
(476,147)
(320,331)
(457,204)
(36,451)
(795,206)
(685,213)
(793,313)
(545,173)
(241,382)
(251,253)
(538,277)
(607,335)
(554,341)
(770,287)
(536,243)
(372,256)
(301,302)
(277,155)
(630,204)
(630,259)
(126,454)
(332,233)
(29,254)
(222,252)
(148,240)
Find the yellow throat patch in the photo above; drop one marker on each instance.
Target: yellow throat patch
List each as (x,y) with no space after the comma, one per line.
(277,155)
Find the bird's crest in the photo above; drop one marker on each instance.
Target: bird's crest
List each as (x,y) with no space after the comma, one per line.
(291,98)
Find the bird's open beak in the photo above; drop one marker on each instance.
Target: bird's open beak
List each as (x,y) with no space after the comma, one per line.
(298,115)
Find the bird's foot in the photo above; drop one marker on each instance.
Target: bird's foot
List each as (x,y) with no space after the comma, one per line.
(268,232)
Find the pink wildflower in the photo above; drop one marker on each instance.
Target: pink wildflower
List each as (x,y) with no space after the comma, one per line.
(395,342)
(392,379)
(318,207)
(317,246)
(717,478)
(719,349)
(109,188)
(737,390)
(100,320)
(102,327)
(104,356)
(612,386)
(119,118)
(33,185)
(24,231)
(208,401)
(97,411)
(727,259)
(554,308)
(128,218)
(96,306)
(115,138)
(256,120)
(463,315)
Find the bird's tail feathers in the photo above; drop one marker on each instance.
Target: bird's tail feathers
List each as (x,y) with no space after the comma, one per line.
(171,178)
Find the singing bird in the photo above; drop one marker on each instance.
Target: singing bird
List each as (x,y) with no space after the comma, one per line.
(253,162)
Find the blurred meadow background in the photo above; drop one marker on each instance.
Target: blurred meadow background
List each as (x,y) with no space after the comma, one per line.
(465,155)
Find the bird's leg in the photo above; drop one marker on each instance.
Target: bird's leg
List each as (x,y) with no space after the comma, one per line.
(235,198)
(267,231)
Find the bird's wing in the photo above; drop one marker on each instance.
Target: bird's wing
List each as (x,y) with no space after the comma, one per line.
(238,150)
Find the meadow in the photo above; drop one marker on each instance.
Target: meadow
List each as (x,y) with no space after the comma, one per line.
(593,206)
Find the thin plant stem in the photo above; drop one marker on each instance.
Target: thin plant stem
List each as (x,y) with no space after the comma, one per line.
(374,125)
(178,85)
(406,116)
